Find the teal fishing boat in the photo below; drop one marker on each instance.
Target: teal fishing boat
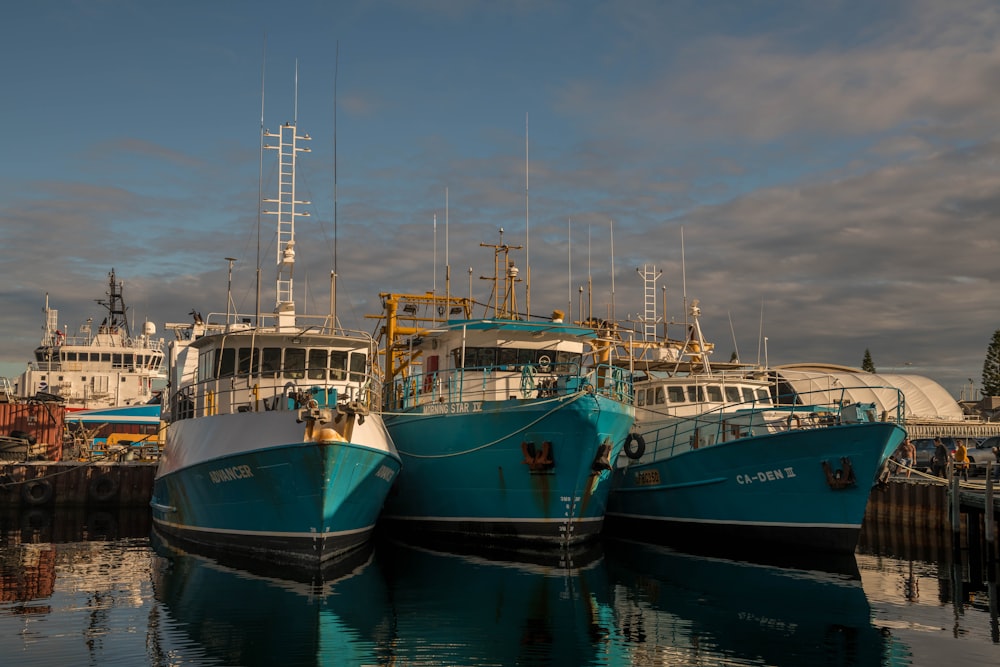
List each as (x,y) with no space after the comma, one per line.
(506,425)
(275,447)
(718,457)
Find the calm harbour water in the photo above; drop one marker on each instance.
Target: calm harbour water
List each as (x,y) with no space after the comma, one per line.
(82,588)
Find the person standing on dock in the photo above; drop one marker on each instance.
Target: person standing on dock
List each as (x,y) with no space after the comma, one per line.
(962,460)
(939,464)
(907,456)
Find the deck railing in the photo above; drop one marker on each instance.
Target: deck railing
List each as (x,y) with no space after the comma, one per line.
(753,418)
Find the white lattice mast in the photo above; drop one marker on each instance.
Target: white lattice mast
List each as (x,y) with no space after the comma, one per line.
(649,320)
(288,150)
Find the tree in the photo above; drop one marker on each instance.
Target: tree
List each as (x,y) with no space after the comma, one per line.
(991,367)
(867,365)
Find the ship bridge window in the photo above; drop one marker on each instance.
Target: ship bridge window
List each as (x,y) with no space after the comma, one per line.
(249,361)
(763,396)
(116,361)
(696,393)
(640,398)
(295,363)
(748,394)
(733,394)
(106,357)
(316,370)
(715,393)
(507,356)
(70,356)
(270,361)
(338,365)
(660,398)
(676,394)
(358,365)
(225,363)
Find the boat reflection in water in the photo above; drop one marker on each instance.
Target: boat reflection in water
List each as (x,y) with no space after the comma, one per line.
(705,610)
(248,612)
(614,603)
(498,607)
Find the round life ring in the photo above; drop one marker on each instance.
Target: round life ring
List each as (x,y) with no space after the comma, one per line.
(36,492)
(103,488)
(635,446)
(544,363)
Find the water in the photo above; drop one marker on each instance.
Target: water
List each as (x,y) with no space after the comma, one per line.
(94,589)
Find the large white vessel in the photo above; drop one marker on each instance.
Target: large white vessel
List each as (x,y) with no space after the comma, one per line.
(101,366)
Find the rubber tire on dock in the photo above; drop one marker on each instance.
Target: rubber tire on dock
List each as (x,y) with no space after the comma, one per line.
(102,488)
(36,492)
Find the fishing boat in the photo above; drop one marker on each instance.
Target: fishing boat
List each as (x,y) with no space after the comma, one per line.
(717,456)
(506,424)
(98,367)
(275,448)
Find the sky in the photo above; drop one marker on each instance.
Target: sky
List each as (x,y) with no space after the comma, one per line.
(824,174)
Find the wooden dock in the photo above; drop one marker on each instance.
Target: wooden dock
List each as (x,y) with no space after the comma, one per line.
(43,484)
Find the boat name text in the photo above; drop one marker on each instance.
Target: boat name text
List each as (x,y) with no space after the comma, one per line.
(453,408)
(230,474)
(384,472)
(647,478)
(766,476)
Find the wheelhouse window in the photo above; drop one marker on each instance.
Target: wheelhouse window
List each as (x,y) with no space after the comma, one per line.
(660,398)
(358,365)
(696,393)
(225,363)
(747,394)
(316,369)
(249,361)
(295,363)
(676,394)
(763,396)
(715,393)
(640,398)
(733,394)
(270,362)
(338,365)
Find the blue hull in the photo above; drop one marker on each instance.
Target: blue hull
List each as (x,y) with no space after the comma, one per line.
(302,501)
(509,472)
(757,493)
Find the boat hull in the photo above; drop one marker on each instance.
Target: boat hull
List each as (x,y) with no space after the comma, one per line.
(478,470)
(758,494)
(251,484)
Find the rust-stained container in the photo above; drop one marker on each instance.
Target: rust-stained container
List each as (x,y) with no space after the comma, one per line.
(43,421)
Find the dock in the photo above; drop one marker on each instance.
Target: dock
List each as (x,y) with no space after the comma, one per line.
(48,484)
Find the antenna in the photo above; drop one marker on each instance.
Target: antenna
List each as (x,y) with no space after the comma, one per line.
(527,236)
(229,291)
(684,285)
(760,332)
(569,269)
(612,269)
(333,276)
(260,175)
(736,348)
(434,282)
(447,266)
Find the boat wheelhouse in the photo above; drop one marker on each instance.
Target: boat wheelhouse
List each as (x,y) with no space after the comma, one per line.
(506,425)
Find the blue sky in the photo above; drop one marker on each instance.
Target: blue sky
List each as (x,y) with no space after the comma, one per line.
(834,166)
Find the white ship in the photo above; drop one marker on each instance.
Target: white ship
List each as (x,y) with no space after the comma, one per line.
(99,367)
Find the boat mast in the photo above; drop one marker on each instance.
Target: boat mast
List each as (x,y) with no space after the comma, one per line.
(116,308)
(288,149)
